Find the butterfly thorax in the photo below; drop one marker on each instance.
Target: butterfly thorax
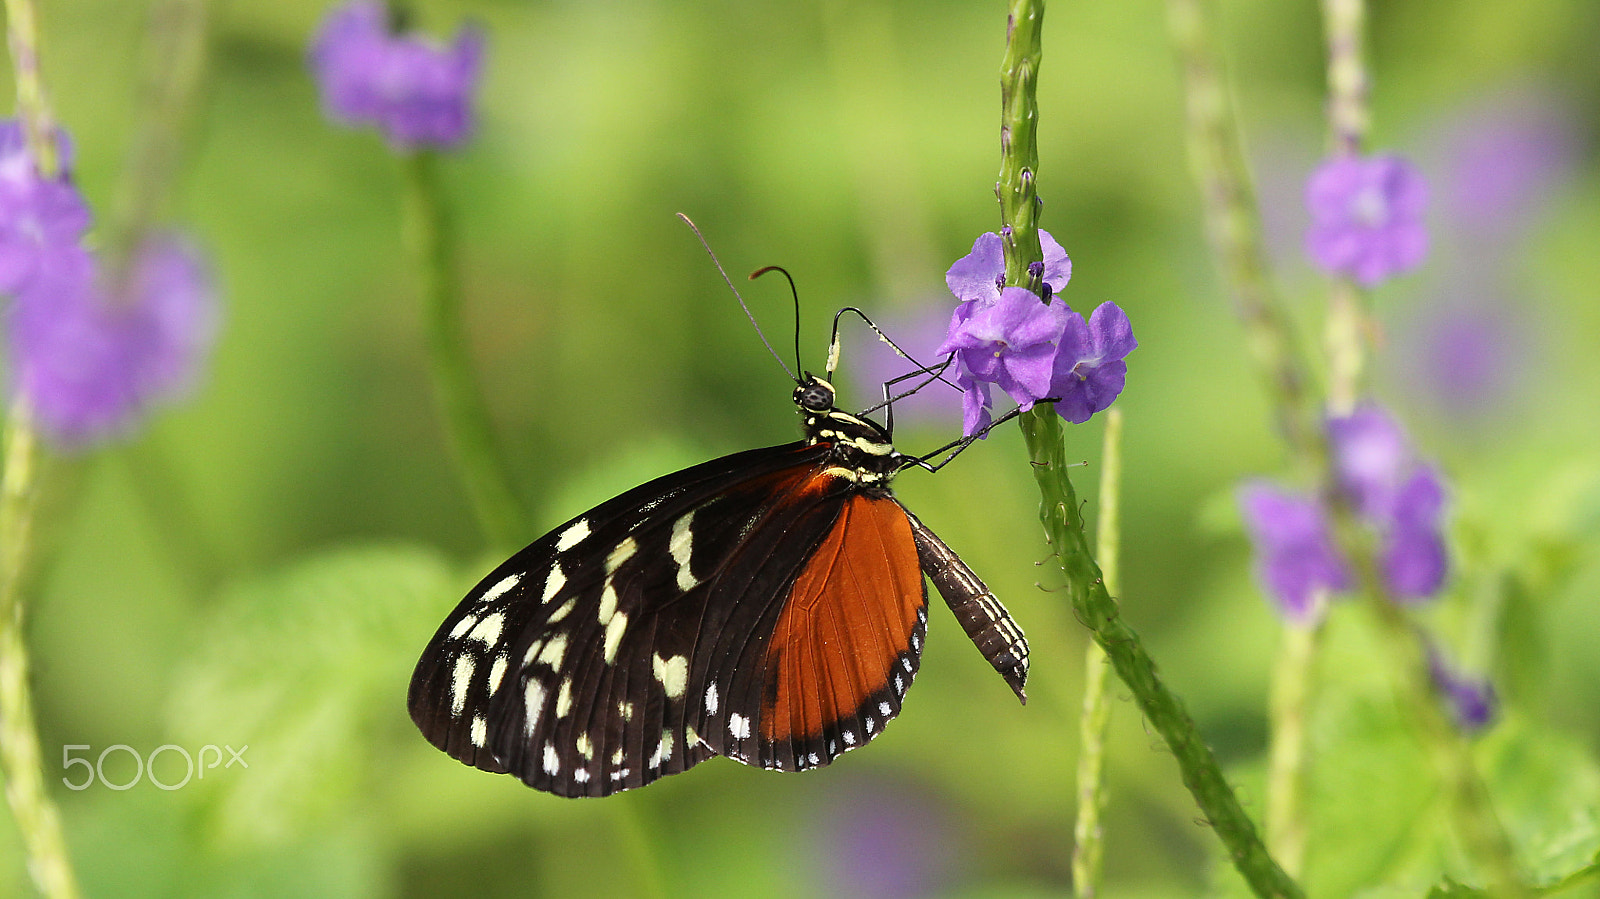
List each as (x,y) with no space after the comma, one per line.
(861,450)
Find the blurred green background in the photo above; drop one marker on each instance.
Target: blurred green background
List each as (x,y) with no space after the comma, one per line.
(264,564)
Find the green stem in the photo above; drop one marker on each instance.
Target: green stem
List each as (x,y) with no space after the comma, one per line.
(460,400)
(1235,231)
(1293,688)
(20,757)
(1347,332)
(175,51)
(21,760)
(1094,606)
(1058,509)
(1088,845)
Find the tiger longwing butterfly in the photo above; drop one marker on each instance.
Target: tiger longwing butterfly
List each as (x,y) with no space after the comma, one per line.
(768,606)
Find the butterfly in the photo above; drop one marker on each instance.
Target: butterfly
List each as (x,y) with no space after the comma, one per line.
(768,606)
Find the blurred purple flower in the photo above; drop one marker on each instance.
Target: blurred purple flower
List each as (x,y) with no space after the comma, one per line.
(919,332)
(1501,159)
(418,92)
(1089,371)
(1296,558)
(882,840)
(1392,493)
(1467,358)
(36,214)
(979,276)
(1372,458)
(90,361)
(1366,217)
(1473,701)
(1414,559)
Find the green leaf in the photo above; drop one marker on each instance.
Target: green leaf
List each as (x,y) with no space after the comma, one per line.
(308,668)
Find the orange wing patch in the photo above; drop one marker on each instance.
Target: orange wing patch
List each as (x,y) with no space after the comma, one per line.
(848,619)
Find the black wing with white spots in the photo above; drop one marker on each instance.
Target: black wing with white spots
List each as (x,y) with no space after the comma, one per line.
(768,606)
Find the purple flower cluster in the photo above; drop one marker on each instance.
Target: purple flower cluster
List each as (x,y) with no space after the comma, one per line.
(90,357)
(1366,217)
(1472,700)
(1398,497)
(416,91)
(1032,348)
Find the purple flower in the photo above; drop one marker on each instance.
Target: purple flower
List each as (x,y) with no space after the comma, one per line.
(1414,559)
(1366,217)
(1295,553)
(88,360)
(36,214)
(1372,458)
(1502,159)
(978,276)
(881,839)
(1089,370)
(1397,495)
(1472,701)
(416,91)
(1010,343)
(1031,349)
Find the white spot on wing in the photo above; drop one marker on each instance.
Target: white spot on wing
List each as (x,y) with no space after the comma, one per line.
(554,583)
(488,630)
(849,737)
(625,711)
(585,746)
(608,603)
(663,750)
(498,672)
(738,726)
(502,588)
(884,708)
(614,631)
(581,775)
(673,674)
(554,651)
(711,699)
(561,611)
(532,706)
(681,547)
(480,731)
(564,699)
(552,762)
(459,678)
(461,627)
(622,553)
(573,535)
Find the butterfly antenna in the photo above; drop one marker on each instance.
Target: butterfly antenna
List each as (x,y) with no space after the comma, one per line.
(742,305)
(795,293)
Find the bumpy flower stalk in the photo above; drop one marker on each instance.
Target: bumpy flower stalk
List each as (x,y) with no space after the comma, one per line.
(1234,228)
(1059,511)
(431,240)
(176,62)
(1234,225)
(1235,231)
(1349,325)
(1088,845)
(1289,709)
(20,759)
